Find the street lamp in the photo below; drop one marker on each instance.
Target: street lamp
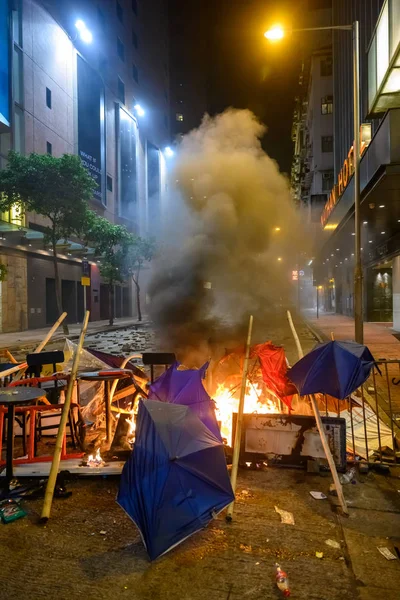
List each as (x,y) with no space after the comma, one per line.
(139,110)
(84,33)
(277,33)
(168,152)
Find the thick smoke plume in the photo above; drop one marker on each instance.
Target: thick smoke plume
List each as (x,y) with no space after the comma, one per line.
(228,203)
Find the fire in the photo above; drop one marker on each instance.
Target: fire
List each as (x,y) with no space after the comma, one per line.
(227,404)
(96,460)
(132,427)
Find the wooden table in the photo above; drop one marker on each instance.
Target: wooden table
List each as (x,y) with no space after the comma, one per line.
(12,397)
(107,376)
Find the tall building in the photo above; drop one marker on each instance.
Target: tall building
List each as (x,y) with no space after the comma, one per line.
(379,169)
(90,79)
(190,35)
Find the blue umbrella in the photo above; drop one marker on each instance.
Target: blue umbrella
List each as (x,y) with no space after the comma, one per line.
(334,368)
(176,480)
(186,387)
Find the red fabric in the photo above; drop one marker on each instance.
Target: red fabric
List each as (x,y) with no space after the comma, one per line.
(274,368)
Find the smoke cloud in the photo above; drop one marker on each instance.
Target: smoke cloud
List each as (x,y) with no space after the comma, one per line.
(223,256)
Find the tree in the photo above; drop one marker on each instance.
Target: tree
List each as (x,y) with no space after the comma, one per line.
(140,251)
(57,188)
(112,243)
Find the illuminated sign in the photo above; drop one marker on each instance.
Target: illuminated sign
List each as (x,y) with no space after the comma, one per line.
(295,275)
(345,174)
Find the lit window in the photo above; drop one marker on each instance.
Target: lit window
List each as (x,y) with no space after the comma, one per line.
(179,117)
(327,105)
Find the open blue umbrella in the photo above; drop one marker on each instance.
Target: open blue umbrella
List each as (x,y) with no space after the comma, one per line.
(176,480)
(334,368)
(186,387)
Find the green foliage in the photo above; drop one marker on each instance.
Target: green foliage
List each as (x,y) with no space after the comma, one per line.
(111,242)
(141,250)
(57,188)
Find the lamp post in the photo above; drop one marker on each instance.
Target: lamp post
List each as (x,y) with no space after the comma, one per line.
(277,33)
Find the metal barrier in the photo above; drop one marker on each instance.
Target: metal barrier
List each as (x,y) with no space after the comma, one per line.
(372,415)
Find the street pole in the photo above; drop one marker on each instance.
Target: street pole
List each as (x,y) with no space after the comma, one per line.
(317,303)
(358,274)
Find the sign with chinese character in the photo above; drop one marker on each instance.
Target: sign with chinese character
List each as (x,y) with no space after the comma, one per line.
(85,281)
(295,275)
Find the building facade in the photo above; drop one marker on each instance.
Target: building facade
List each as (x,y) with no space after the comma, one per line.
(380,166)
(105,99)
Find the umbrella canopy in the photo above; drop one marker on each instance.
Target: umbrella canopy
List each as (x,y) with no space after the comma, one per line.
(334,368)
(186,387)
(176,479)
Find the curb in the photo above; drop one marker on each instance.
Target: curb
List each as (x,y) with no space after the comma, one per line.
(319,336)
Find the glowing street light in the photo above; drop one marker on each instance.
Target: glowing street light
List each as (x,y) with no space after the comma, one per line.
(277,228)
(84,33)
(275,33)
(139,110)
(168,151)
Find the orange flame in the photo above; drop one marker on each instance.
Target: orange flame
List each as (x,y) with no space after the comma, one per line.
(226,404)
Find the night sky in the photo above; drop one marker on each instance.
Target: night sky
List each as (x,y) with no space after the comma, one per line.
(246,71)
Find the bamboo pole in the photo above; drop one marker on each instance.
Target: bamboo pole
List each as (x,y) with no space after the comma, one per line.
(51,482)
(238,434)
(321,429)
(22,367)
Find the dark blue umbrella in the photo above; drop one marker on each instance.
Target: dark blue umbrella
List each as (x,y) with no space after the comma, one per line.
(334,368)
(186,387)
(176,479)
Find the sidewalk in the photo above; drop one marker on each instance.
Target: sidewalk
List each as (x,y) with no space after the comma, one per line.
(377,336)
(34,336)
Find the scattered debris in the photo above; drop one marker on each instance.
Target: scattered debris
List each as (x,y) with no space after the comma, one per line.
(386,553)
(102,532)
(10,511)
(282,581)
(318,495)
(245,548)
(349,476)
(363,467)
(257,563)
(332,543)
(319,554)
(286,517)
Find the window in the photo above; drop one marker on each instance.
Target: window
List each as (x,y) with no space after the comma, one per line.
(326,143)
(48,98)
(121,90)
(135,73)
(134,39)
(120,12)
(134,6)
(49,148)
(109,183)
(326,66)
(327,181)
(179,117)
(327,105)
(120,49)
